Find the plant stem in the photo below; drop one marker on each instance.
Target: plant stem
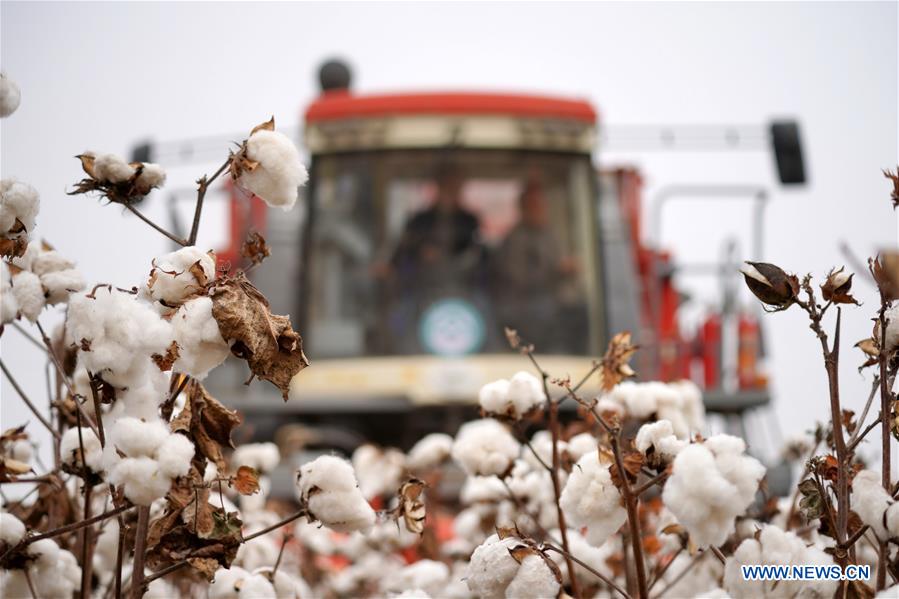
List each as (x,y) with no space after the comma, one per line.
(77,525)
(156,227)
(140,550)
(203,183)
(885,433)
(21,393)
(86,542)
(633,519)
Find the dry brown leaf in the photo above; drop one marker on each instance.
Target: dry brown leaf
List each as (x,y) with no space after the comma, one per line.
(208,423)
(13,248)
(269,125)
(255,248)
(245,481)
(165,362)
(196,269)
(273,350)
(615,366)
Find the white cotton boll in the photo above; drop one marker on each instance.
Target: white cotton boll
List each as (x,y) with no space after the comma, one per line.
(870,501)
(581,444)
(47,261)
(542,444)
(21,450)
(174,455)
(607,403)
(11,529)
(327,473)
(10,95)
(485,447)
(776,547)
(200,342)
(144,482)
(525,392)
(160,589)
(60,284)
(29,293)
(171,280)
(424,575)
(20,201)
(328,487)
(468,525)
(151,175)
(380,471)
(430,451)
(45,552)
(892,332)
(482,489)
(256,586)
(264,457)
(120,331)
(637,398)
(279,174)
(412,594)
(492,396)
(110,168)
(147,388)
(9,308)
(591,500)
(70,449)
(659,436)
(224,584)
(492,567)
(534,579)
(136,438)
(711,484)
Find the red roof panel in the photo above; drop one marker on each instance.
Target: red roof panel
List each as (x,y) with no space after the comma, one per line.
(342,105)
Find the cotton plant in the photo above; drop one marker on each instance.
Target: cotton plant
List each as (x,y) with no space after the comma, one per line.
(711,484)
(10,95)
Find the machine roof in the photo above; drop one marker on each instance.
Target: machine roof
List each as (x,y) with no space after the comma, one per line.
(337,105)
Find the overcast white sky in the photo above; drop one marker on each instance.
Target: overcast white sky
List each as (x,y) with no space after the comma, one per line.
(101,76)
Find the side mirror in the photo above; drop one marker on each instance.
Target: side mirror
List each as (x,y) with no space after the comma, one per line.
(787,147)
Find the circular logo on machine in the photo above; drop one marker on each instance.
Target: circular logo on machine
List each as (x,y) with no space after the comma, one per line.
(451,327)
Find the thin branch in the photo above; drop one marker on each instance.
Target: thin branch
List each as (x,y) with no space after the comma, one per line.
(661,573)
(874,386)
(40,417)
(28,336)
(86,545)
(276,526)
(859,438)
(201,195)
(682,573)
(659,478)
(140,215)
(95,392)
(77,525)
(597,574)
(140,551)
(633,519)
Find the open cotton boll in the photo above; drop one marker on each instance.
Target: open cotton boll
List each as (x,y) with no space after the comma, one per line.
(492,396)
(328,488)
(591,500)
(225,583)
(11,529)
(160,589)
(776,547)
(174,455)
(136,438)
(256,586)
(660,437)
(870,501)
(485,447)
(581,444)
(279,172)
(143,480)
(482,489)
(10,95)
(595,557)
(542,446)
(110,168)
(147,389)
(425,575)
(151,175)
(70,449)
(491,567)
(534,579)
(380,471)
(179,274)
(9,308)
(117,333)
(26,286)
(525,392)
(200,342)
(264,457)
(711,484)
(18,201)
(58,285)
(430,451)
(494,573)
(892,332)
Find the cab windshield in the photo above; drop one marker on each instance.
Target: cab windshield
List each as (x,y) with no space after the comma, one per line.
(420,252)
